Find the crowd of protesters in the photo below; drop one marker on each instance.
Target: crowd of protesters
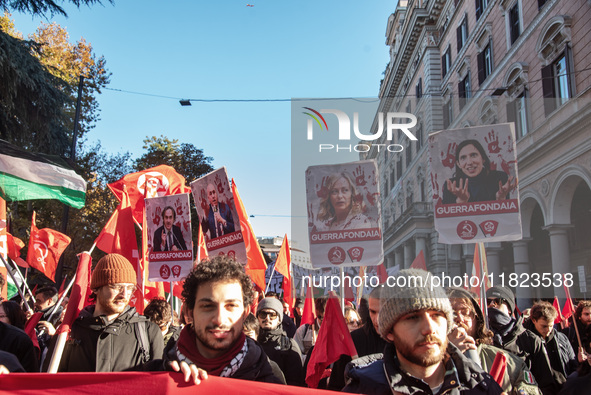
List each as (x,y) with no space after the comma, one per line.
(409,340)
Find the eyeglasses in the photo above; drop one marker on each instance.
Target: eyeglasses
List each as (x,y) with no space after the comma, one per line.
(122,288)
(353,323)
(262,314)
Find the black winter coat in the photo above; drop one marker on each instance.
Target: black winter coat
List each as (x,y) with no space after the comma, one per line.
(95,345)
(17,342)
(374,374)
(285,352)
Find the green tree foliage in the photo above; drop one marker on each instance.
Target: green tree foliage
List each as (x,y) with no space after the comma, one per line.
(188,161)
(32,100)
(42,7)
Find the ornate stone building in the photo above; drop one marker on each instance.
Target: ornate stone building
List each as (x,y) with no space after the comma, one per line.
(458,63)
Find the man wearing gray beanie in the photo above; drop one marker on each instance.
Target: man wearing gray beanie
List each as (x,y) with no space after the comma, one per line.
(277,345)
(415,318)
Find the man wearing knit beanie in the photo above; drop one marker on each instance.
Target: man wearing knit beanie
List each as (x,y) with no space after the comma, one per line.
(110,336)
(277,345)
(415,318)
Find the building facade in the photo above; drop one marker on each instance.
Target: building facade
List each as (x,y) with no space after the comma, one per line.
(460,63)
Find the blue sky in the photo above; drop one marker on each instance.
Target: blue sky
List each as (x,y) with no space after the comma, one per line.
(226,50)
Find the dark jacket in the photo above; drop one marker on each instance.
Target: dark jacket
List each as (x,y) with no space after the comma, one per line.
(482,188)
(254,367)
(584,332)
(374,374)
(288,326)
(367,341)
(285,352)
(551,372)
(17,342)
(95,345)
(177,239)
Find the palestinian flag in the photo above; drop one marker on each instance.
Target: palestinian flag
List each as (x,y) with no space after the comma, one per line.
(27,176)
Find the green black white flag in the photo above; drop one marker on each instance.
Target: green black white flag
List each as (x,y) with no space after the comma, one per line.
(28,176)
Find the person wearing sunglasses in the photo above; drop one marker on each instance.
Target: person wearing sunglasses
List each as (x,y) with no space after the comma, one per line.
(277,345)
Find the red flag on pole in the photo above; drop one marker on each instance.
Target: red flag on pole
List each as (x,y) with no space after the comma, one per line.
(79,293)
(382,273)
(419,262)
(333,341)
(201,246)
(309,312)
(14,246)
(45,248)
(30,329)
(498,368)
(256,265)
(161,180)
(282,266)
(569,308)
(556,305)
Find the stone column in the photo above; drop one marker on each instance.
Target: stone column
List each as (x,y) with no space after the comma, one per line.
(399,257)
(560,252)
(421,245)
(523,295)
(408,254)
(494,261)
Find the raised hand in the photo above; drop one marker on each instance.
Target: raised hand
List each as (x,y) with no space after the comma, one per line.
(460,191)
(322,190)
(359,174)
(449,159)
(504,189)
(493,142)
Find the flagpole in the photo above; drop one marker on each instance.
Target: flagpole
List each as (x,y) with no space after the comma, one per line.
(20,292)
(25,285)
(61,299)
(483,285)
(270,277)
(342,270)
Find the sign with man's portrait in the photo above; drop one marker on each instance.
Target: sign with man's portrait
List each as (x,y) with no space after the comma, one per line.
(217,213)
(474,182)
(344,223)
(170,243)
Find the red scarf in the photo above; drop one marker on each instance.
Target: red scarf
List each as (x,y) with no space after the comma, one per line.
(187,345)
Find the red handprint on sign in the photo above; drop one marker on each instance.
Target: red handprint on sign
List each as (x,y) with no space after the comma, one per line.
(322,190)
(218,183)
(310,216)
(372,197)
(449,159)
(506,166)
(493,142)
(203,200)
(435,186)
(509,142)
(157,216)
(359,174)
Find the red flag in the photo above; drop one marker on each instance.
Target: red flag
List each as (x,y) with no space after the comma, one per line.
(45,248)
(30,329)
(256,265)
(118,235)
(498,368)
(382,273)
(309,312)
(282,266)
(161,180)
(569,308)
(419,262)
(177,288)
(62,287)
(14,246)
(557,307)
(333,341)
(201,246)
(79,294)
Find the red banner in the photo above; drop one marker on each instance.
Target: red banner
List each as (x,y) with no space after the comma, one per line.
(134,383)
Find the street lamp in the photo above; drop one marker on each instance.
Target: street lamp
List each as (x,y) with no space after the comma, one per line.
(185,102)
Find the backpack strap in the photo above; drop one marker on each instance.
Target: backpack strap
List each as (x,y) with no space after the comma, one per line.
(143,340)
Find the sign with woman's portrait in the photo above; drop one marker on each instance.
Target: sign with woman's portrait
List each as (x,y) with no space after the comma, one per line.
(344,223)
(474,182)
(170,243)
